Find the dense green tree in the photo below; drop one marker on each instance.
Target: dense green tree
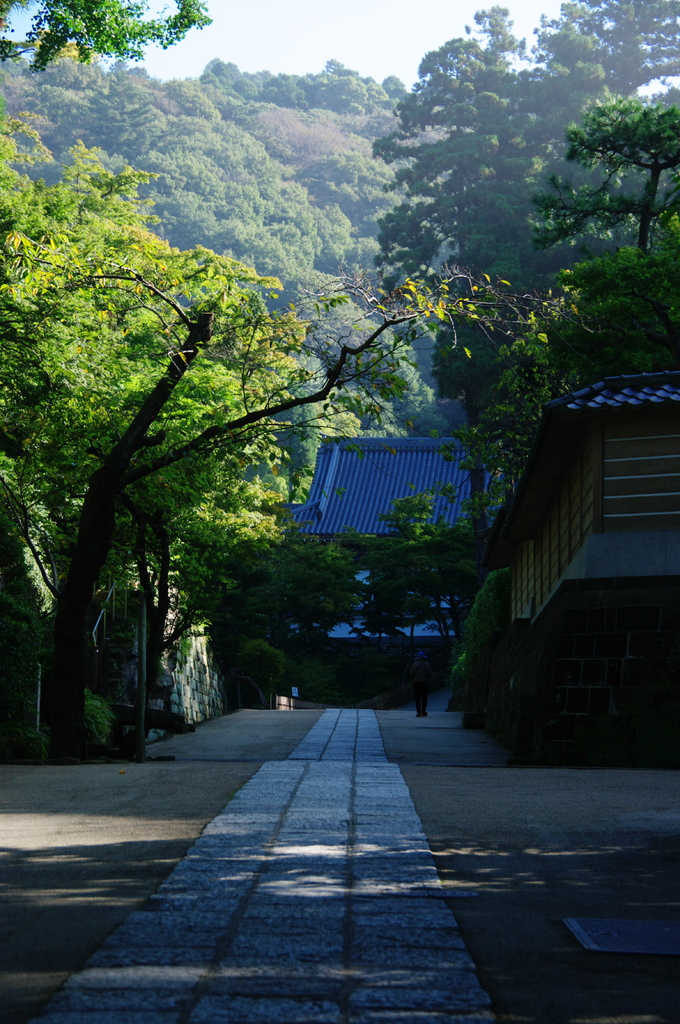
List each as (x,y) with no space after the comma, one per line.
(111,28)
(636,148)
(233,82)
(91,312)
(629,311)
(394,87)
(626,297)
(467,161)
(635,42)
(422,572)
(483,129)
(313,587)
(352,181)
(285,91)
(22,628)
(336,88)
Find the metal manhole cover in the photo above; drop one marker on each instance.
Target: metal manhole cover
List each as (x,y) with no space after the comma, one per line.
(610,936)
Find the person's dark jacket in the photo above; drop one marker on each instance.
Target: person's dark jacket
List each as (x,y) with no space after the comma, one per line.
(421,670)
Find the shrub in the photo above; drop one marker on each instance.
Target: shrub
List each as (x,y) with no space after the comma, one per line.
(316,679)
(99,718)
(490,612)
(261,661)
(20,741)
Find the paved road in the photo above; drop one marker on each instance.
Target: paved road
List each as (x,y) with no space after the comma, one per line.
(312,899)
(539,845)
(249,735)
(83,846)
(439,738)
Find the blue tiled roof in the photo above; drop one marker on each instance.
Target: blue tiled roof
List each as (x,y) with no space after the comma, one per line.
(349,492)
(627,390)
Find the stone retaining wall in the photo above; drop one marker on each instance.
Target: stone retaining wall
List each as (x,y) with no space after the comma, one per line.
(195,683)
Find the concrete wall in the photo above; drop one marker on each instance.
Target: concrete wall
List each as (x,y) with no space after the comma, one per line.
(649,552)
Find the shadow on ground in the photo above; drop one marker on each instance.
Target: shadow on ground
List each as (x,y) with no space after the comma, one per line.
(541,845)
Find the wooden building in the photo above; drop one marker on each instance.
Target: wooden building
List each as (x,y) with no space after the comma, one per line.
(592,539)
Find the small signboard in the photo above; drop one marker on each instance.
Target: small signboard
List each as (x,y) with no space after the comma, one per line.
(294,691)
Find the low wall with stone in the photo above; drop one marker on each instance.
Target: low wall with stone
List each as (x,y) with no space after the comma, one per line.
(196,684)
(296,704)
(390,699)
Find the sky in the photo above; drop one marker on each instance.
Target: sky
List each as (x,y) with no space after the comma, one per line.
(374,37)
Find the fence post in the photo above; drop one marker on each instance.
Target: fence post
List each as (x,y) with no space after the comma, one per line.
(38,696)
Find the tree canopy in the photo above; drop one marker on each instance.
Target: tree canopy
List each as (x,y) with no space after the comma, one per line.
(130,366)
(110,28)
(635,147)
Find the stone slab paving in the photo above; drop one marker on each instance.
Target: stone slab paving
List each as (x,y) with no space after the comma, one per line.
(311,899)
(342,735)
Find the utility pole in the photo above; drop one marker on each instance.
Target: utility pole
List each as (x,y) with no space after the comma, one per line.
(140,737)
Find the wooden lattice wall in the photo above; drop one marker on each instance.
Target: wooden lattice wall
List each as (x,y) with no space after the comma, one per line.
(541,561)
(641,473)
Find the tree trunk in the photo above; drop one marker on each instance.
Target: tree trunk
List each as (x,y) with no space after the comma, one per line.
(158,605)
(647,212)
(95,535)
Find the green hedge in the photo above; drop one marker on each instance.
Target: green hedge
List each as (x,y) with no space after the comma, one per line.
(490,611)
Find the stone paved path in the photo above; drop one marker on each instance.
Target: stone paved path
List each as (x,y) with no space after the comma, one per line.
(311,899)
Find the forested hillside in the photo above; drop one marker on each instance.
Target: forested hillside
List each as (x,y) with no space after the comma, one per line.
(276,171)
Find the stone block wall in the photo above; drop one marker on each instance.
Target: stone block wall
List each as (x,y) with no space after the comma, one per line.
(194,684)
(599,648)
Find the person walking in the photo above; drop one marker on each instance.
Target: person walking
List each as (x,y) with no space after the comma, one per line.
(421,671)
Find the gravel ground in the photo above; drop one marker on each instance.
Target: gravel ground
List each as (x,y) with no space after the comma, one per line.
(539,845)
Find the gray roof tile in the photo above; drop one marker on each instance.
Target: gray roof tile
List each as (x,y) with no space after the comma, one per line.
(618,392)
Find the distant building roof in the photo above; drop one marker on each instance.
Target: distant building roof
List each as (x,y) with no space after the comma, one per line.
(349,492)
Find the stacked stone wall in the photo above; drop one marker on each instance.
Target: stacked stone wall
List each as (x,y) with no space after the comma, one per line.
(196,684)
